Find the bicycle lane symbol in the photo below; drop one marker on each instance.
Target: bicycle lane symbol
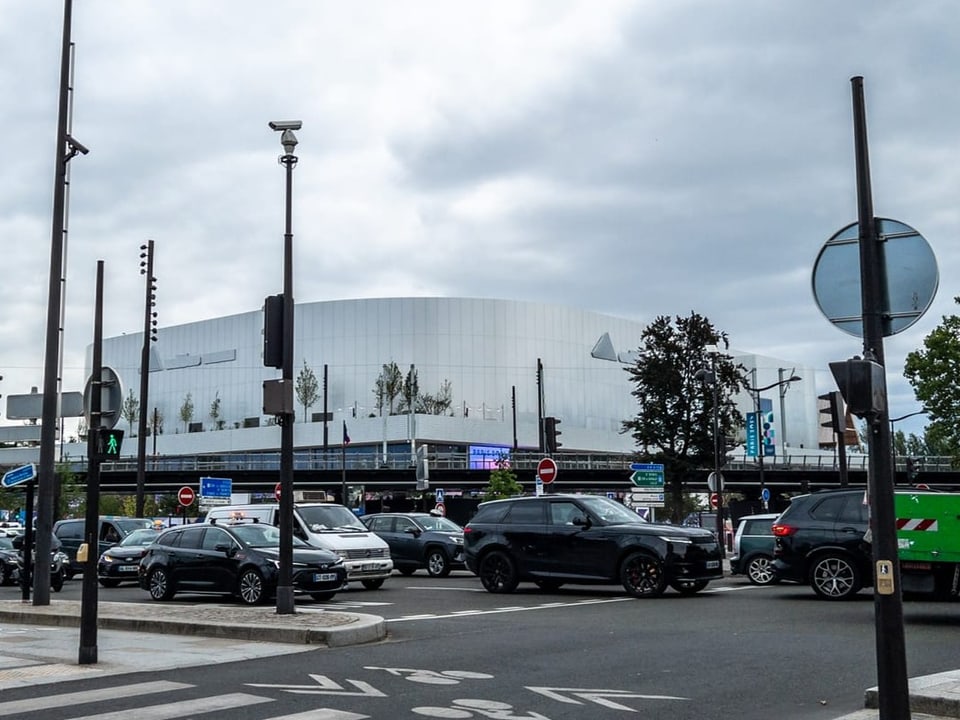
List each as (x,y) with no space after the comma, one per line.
(466,707)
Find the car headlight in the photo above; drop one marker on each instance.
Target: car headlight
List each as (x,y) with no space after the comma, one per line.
(676,540)
(106,558)
(457,540)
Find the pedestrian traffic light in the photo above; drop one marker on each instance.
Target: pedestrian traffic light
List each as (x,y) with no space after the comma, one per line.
(109,441)
(550,433)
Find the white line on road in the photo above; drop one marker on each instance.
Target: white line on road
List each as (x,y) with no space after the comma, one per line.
(182,709)
(15,707)
(498,611)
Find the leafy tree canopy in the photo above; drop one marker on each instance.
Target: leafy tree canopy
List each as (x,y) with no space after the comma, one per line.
(677,363)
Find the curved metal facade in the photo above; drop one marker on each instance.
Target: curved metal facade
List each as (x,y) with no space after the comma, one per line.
(486,350)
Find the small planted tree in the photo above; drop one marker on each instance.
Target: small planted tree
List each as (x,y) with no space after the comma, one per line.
(308,389)
(503,481)
(215,412)
(130,411)
(186,411)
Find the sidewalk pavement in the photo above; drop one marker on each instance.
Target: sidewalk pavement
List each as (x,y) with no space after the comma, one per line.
(932,697)
(41,644)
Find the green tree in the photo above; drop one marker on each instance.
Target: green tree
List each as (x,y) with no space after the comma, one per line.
(437,404)
(215,410)
(503,481)
(410,393)
(130,411)
(155,422)
(186,411)
(388,388)
(674,421)
(932,371)
(307,387)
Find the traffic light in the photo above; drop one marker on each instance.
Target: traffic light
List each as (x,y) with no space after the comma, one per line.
(550,433)
(109,441)
(273,331)
(832,411)
(911,470)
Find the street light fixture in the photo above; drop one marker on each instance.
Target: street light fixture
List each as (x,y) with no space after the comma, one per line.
(285,604)
(709,376)
(893,439)
(764,496)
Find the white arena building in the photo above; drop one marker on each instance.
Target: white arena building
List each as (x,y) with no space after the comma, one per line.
(485,351)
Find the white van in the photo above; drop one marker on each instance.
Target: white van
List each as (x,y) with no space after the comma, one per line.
(328,526)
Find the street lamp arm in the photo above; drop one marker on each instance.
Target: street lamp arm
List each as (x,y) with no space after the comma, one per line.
(792,378)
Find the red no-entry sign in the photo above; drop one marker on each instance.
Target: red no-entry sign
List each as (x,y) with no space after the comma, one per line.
(276,491)
(186,495)
(547,470)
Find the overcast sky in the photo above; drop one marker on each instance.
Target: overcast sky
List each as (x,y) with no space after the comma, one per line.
(630,158)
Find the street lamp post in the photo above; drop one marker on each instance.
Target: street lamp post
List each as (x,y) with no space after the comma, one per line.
(285,604)
(755,391)
(893,439)
(710,376)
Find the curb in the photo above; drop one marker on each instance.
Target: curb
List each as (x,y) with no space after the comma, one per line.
(353,629)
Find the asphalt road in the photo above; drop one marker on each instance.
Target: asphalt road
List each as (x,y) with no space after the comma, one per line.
(455,651)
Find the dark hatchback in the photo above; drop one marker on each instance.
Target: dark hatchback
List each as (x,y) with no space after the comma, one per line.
(820,541)
(121,563)
(581,539)
(419,540)
(239,559)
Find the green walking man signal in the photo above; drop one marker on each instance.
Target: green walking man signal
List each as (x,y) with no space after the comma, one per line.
(109,442)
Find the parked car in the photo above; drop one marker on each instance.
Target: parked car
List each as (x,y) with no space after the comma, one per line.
(9,566)
(112,530)
(820,541)
(419,540)
(328,526)
(236,559)
(753,546)
(552,540)
(121,563)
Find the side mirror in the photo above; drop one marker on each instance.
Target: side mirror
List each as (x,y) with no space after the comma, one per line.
(225,548)
(413,531)
(583,520)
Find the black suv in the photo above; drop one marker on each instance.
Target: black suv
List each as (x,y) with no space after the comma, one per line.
(583,539)
(419,540)
(241,560)
(820,540)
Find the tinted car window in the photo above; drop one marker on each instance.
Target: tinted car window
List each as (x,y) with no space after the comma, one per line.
(190,538)
(72,530)
(563,513)
(404,524)
(758,527)
(381,523)
(828,509)
(213,537)
(525,513)
(854,511)
(491,513)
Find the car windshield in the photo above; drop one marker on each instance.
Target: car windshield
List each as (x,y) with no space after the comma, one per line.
(143,536)
(440,524)
(610,511)
(328,518)
(130,524)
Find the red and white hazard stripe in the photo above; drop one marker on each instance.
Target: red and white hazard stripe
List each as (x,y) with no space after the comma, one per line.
(921,525)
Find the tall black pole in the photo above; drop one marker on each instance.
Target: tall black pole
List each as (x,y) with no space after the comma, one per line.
(513,405)
(717,478)
(285,603)
(47,479)
(91,528)
(892,688)
(541,440)
(146,267)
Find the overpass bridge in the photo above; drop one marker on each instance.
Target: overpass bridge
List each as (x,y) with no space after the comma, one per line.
(258,473)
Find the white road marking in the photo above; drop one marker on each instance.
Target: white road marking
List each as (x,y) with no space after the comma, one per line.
(325,686)
(182,709)
(15,707)
(498,611)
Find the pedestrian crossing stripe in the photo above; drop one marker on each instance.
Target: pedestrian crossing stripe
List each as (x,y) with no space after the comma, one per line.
(16,707)
(183,708)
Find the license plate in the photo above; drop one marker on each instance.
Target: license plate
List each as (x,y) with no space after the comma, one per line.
(713,564)
(128,568)
(370,566)
(324,577)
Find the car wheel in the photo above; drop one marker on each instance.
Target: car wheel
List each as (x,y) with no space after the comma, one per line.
(642,575)
(322,596)
(109,582)
(688,587)
(759,570)
(372,584)
(498,573)
(159,585)
(437,563)
(250,587)
(834,577)
(408,571)
(548,585)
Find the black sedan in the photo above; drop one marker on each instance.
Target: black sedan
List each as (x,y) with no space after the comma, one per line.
(9,566)
(420,540)
(236,559)
(121,563)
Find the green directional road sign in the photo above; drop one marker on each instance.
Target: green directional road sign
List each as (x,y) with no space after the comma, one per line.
(647,474)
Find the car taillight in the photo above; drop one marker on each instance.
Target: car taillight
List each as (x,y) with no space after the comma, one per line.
(467,530)
(783,530)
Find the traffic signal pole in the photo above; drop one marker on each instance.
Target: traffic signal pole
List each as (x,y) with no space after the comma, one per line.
(892,688)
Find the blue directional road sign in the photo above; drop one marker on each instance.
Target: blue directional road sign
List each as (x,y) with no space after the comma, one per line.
(22,474)
(647,474)
(215,491)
